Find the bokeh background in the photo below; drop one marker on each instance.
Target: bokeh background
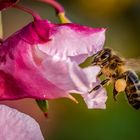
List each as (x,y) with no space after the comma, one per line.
(70,121)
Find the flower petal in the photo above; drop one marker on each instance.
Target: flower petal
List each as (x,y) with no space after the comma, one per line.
(65,74)
(41,61)
(16,125)
(74,41)
(66,40)
(96,99)
(69,76)
(91,73)
(20,76)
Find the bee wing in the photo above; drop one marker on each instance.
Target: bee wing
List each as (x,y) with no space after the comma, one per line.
(133,64)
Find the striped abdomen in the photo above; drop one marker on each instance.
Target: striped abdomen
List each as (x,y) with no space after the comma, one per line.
(133,89)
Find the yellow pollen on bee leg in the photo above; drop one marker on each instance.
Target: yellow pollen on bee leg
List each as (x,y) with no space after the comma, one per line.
(120,85)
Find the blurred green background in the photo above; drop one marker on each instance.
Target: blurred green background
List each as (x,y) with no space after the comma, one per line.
(70,121)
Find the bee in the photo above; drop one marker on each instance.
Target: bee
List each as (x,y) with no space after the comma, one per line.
(116,72)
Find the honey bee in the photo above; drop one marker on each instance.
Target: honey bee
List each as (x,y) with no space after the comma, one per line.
(117,73)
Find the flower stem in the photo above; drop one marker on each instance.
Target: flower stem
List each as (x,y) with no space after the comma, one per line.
(59,10)
(34,14)
(1,28)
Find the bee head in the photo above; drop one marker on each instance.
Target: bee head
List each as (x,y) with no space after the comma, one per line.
(102,57)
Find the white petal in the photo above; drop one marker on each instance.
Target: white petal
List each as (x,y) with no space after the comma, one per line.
(15,125)
(91,73)
(96,99)
(65,74)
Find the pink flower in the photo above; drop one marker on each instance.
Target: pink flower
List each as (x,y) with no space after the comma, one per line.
(16,125)
(4,4)
(42,60)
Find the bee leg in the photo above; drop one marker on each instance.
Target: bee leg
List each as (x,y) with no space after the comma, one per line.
(100,85)
(100,74)
(115,94)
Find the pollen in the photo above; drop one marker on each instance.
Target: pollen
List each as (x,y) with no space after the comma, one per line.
(120,85)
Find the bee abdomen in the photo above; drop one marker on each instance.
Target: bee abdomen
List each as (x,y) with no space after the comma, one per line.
(134,100)
(132,78)
(133,89)
(133,96)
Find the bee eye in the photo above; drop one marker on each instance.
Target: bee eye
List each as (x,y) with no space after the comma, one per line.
(105,55)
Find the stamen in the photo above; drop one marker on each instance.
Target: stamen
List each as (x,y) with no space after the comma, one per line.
(72,98)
